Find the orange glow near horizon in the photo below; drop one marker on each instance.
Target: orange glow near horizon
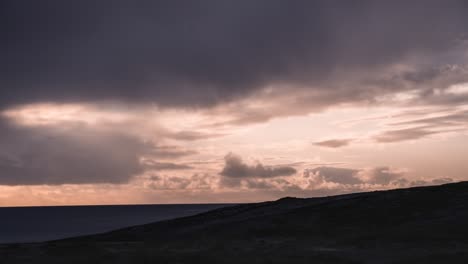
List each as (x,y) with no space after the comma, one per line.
(194,177)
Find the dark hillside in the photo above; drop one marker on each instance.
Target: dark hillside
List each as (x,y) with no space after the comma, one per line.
(416,225)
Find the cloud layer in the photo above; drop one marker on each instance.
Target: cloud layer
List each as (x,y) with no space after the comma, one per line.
(47,152)
(122,92)
(186,54)
(43,156)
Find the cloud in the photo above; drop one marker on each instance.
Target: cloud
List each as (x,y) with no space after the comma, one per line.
(417,123)
(166,166)
(408,134)
(334,143)
(380,175)
(180,183)
(169,151)
(55,144)
(235,167)
(354,180)
(75,152)
(456,118)
(259,184)
(403,134)
(335,175)
(182,54)
(37,156)
(193,135)
(437,181)
(169,183)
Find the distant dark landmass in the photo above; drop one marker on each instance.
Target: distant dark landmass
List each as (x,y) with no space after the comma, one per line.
(415,225)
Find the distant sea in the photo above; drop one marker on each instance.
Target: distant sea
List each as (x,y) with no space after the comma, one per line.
(36,224)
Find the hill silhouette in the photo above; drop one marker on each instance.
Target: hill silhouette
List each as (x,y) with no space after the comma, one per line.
(414,225)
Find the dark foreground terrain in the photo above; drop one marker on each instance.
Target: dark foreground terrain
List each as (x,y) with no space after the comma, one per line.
(416,225)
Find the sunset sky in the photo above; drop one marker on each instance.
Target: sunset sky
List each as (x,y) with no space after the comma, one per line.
(123,102)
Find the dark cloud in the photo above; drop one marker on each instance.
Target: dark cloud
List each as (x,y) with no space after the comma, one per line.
(336,175)
(182,53)
(445,99)
(334,143)
(259,184)
(230,182)
(235,167)
(36,156)
(76,153)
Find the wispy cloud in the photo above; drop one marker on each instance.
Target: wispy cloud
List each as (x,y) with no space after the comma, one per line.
(166,166)
(404,134)
(334,143)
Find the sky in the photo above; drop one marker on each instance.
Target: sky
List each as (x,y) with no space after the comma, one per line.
(214,101)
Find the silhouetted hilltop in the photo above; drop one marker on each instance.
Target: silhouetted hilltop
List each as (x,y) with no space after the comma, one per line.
(415,225)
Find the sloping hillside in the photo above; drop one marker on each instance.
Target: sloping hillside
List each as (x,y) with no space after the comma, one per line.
(416,225)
